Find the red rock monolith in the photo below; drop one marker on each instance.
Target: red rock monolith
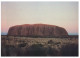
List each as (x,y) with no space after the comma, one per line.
(39,30)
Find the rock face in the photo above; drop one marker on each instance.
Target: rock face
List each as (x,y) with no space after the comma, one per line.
(39,30)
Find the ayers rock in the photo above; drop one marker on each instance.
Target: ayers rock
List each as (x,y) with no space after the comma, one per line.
(37,30)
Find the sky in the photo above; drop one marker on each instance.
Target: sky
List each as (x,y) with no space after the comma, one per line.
(63,14)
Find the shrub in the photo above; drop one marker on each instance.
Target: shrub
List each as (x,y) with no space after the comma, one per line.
(52,51)
(50,42)
(39,50)
(20,51)
(58,43)
(22,45)
(36,50)
(3,51)
(69,50)
(8,50)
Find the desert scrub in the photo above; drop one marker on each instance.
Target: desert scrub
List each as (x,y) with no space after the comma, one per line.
(53,43)
(52,51)
(8,50)
(58,43)
(22,44)
(40,50)
(69,50)
(3,51)
(36,50)
(50,42)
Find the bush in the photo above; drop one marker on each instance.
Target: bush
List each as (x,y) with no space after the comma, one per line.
(8,50)
(52,51)
(36,50)
(22,45)
(39,50)
(3,51)
(50,42)
(69,50)
(20,51)
(58,43)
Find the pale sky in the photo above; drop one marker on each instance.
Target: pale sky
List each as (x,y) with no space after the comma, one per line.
(63,14)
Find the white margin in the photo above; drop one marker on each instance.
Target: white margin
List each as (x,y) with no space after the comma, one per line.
(41,0)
